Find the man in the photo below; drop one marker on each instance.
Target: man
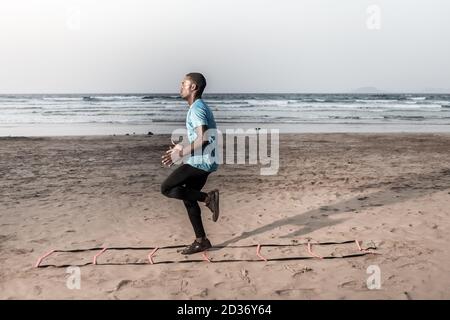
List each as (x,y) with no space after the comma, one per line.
(185,182)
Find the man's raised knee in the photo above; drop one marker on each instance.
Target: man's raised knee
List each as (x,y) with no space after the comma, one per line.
(165,189)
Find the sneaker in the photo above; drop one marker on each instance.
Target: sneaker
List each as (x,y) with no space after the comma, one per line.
(213,203)
(197,247)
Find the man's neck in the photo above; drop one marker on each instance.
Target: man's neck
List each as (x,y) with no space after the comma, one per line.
(191,100)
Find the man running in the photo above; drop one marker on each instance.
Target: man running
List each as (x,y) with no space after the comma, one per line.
(185,182)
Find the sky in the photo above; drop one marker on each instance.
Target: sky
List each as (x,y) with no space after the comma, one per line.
(258,46)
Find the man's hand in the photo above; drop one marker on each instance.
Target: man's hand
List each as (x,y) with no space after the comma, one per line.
(172,155)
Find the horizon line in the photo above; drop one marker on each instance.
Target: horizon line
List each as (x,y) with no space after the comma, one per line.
(216,93)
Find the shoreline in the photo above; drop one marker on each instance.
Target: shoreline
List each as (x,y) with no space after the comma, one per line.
(47,130)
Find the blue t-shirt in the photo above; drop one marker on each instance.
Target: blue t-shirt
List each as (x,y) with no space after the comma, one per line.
(199,114)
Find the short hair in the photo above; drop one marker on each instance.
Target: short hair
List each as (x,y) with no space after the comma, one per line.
(199,80)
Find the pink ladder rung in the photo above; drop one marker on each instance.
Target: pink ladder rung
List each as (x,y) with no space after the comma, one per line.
(42,258)
(258,249)
(205,256)
(361,249)
(150,255)
(312,253)
(94,261)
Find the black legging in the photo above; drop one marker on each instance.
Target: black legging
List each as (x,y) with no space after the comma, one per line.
(185,183)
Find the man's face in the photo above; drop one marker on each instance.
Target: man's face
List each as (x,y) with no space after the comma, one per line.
(186,87)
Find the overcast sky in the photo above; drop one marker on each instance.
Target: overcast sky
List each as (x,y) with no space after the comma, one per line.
(93,46)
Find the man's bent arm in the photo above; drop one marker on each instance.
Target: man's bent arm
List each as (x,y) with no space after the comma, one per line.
(199,142)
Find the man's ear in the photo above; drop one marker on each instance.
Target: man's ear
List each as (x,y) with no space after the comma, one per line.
(194,87)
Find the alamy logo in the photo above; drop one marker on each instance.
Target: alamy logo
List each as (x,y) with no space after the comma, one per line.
(237,150)
(73,21)
(74,279)
(374,280)
(373,21)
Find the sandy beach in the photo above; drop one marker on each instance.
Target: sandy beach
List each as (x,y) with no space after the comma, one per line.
(389,191)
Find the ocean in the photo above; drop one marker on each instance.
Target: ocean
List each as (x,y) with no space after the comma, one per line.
(79,114)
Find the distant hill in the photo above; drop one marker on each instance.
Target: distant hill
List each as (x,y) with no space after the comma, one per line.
(375,90)
(435,90)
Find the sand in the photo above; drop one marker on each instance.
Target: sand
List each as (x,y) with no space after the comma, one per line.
(391,191)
